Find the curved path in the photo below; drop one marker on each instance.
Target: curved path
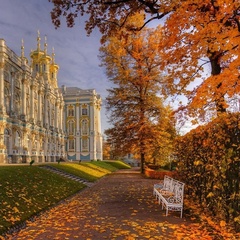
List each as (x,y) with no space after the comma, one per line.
(118,206)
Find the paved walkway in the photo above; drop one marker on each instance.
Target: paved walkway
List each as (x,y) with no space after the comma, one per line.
(118,206)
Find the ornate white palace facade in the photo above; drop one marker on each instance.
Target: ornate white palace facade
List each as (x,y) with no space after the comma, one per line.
(82,123)
(40,121)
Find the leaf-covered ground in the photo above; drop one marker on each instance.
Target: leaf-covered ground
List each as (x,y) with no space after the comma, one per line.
(119,206)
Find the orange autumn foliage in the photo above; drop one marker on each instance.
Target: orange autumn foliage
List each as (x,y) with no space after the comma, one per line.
(197,34)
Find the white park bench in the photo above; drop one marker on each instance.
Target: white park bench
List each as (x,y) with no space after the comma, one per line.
(170,194)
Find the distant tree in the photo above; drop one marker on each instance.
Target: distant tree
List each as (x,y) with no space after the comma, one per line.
(106,150)
(132,64)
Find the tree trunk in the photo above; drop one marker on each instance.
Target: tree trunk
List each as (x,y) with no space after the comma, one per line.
(142,163)
(216,70)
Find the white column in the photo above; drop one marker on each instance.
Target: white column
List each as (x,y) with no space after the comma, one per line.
(40,107)
(99,137)
(45,120)
(2,63)
(77,117)
(32,87)
(77,136)
(56,114)
(92,130)
(12,93)
(2,107)
(61,117)
(24,97)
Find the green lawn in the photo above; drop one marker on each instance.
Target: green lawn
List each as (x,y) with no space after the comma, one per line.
(28,190)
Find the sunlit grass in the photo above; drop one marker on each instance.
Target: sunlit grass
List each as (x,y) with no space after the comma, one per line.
(81,170)
(91,171)
(118,164)
(27,190)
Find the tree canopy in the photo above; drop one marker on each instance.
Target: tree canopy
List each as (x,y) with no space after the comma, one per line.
(195,33)
(200,33)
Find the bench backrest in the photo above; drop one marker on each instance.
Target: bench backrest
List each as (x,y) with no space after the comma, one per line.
(178,190)
(167,183)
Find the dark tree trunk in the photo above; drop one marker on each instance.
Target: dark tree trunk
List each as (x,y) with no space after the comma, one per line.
(216,70)
(142,163)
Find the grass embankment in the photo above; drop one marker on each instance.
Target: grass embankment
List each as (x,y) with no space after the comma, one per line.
(91,170)
(28,190)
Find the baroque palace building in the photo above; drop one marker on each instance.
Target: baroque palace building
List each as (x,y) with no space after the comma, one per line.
(82,123)
(40,121)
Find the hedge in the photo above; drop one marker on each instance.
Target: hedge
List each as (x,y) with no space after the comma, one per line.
(208,161)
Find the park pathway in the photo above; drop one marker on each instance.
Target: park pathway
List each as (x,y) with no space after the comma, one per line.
(119,206)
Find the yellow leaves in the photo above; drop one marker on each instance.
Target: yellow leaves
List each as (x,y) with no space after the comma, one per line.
(198,162)
(15,209)
(11,219)
(210,195)
(222,223)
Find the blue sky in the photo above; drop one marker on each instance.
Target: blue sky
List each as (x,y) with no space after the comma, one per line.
(75,53)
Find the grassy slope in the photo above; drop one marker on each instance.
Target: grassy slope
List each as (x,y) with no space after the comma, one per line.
(25,191)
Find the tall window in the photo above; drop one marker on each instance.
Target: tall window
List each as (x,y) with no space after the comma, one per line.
(84,111)
(36,110)
(84,127)
(28,142)
(52,117)
(7,139)
(7,99)
(71,112)
(71,127)
(85,144)
(17,139)
(71,144)
(17,104)
(27,106)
